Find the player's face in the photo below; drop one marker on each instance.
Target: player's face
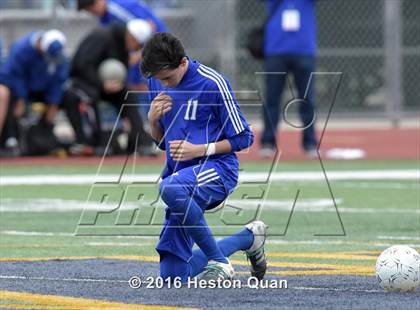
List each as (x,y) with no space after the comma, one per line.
(172,77)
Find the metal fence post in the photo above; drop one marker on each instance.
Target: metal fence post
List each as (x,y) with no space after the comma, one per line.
(229,45)
(393,60)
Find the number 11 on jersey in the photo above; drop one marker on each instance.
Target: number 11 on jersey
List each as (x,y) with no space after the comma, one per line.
(191,114)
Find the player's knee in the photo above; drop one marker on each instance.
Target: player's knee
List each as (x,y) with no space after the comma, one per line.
(172,194)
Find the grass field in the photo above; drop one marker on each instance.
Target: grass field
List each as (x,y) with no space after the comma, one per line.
(315,246)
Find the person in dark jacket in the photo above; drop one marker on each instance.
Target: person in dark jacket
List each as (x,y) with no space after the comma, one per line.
(34,71)
(85,88)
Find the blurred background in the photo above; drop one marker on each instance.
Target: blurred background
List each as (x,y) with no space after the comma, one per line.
(374,45)
(365,40)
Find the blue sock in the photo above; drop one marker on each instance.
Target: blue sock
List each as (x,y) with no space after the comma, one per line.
(171,266)
(196,226)
(229,245)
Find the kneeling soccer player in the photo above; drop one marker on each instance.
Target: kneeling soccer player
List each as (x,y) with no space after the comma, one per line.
(195,118)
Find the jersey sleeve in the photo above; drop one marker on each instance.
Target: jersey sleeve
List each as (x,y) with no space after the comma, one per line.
(228,112)
(18,73)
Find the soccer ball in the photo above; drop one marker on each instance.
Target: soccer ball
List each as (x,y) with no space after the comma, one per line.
(398,269)
(112,70)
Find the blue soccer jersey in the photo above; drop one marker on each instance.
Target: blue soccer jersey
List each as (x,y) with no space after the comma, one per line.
(204,111)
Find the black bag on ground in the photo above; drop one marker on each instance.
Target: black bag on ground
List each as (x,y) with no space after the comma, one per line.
(40,139)
(255,38)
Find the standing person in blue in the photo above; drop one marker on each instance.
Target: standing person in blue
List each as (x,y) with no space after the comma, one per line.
(290,46)
(195,118)
(34,71)
(122,11)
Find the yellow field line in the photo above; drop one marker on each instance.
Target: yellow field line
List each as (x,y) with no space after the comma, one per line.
(133,257)
(156,259)
(21,306)
(322,255)
(47,301)
(314,272)
(317,268)
(118,257)
(321,266)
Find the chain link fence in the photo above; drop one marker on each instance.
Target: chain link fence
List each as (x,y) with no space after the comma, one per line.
(353,38)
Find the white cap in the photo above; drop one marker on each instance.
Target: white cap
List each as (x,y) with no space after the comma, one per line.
(140,29)
(52,37)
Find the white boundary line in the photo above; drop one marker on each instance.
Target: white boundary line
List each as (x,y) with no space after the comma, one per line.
(302,205)
(289,176)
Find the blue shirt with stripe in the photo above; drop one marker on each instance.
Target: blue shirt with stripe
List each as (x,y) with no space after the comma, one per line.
(126,10)
(300,42)
(204,111)
(28,71)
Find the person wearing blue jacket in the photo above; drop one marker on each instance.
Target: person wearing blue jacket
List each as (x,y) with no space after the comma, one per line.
(122,11)
(290,47)
(35,70)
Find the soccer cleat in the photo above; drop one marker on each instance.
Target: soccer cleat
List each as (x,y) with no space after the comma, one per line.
(255,253)
(216,270)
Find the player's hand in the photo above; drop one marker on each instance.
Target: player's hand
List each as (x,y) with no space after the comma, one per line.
(112,86)
(159,106)
(182,150)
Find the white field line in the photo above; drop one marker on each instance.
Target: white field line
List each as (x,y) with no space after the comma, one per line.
(120,244)
(62,234)
(289,176)
(269,241)
(372,185)
(84,280)
(302,205)
(35,233)
(398,238)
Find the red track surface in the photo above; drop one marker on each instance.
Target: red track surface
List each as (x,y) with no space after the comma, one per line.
(376,143)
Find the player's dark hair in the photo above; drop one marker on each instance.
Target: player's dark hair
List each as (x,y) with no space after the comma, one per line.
(162,51)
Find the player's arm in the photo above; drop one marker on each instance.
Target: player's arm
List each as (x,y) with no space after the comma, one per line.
(19,64)
(234,126)
(183,150)
(55,92)
(160,105)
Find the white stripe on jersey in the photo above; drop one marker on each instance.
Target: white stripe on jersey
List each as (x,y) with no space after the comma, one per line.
(226,88)
(207,176)
(120,12)
(207,181)
(229,103)
(222,81)
(204,172)
(224,98)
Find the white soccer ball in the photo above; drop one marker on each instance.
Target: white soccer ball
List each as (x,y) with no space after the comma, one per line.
(112,70)
(398,269)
